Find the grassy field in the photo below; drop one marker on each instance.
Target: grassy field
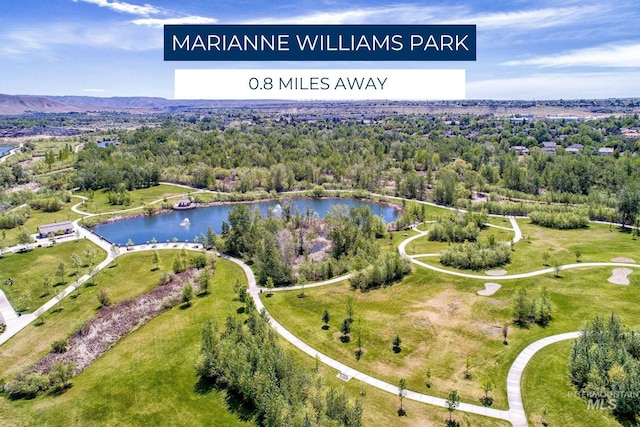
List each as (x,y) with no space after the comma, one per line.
(598,243)
(28,269)
(442,323)
(100,202)
(148,377)
(546,385)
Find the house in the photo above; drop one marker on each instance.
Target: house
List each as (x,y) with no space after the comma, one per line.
(605,151)
(549,147)
(520,149)
(56,228)
(574,148)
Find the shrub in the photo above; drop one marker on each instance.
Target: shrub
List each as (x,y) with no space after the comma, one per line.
(59,346)
(458,228)
(388,268)
(29,386)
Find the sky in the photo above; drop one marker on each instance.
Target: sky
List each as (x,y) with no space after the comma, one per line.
(525,50)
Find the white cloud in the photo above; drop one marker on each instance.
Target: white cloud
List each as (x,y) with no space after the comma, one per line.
(529,19)
(123,7)
(414,14)
(372,15)
(558,85)
(608,55)
(185,20)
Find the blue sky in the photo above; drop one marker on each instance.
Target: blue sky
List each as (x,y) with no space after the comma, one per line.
(525,50)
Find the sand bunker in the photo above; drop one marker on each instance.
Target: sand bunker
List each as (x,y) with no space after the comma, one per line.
(496,272)
(489,289)
(622,259)
(619,276)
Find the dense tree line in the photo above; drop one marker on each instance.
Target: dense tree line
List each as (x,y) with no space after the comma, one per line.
(249,362)
(476,255)
(605,366)
(458,228)
(560,220)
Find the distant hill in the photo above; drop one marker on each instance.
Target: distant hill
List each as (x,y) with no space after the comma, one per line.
(18,104)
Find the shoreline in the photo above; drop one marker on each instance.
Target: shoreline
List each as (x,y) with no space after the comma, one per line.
(284,196)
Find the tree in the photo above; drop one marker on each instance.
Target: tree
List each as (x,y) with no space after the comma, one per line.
(578,254)
(556,267)
(24,238)
(359,340)
(130,243)
(505,331)
(545,258)
(543,308)
(452,402)
(187,294)
(428,382)
(350,308)
(60,272)
(487,386)
(345,328)
(402,392)
(467,372)
(155,259)
(89,253)
(63,372)
(46,284)
(76,262)
(270,285)
(629,202)
(114,253)
(103,298)
(522,308)
(177,266)
(204,279)
(325,319)
(396,344)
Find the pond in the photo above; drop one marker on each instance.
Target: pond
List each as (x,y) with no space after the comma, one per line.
(4,149)
(185,225)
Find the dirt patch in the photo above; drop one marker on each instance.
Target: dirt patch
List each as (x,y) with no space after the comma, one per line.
(623,259)
(496,272)
(489,289)
(619,276)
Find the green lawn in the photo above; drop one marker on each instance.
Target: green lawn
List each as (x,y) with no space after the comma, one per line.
(148,377)
(28,269)
(100,203)
(442,322)
(546,385)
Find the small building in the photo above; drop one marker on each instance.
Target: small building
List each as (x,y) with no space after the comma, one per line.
(574,148)
(605,151)
(56,228)
(184,204)
(549,147)
(520,149)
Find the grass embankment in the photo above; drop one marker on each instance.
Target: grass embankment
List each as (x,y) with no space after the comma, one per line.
(442,323)
(546,385)
(27,270)
(148,377)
